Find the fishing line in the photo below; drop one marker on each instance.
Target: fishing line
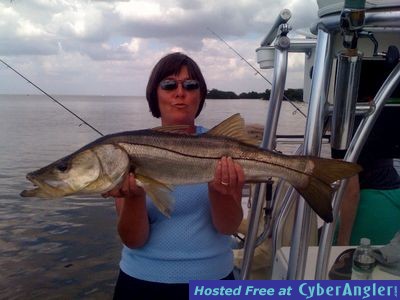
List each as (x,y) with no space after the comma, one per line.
(258,72)
(52,98)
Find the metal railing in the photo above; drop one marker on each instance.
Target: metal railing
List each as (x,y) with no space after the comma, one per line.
(319,110)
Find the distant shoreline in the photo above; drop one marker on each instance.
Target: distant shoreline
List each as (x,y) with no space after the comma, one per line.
(291,94)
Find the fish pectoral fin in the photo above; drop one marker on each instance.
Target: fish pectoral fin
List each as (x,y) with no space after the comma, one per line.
(159,192)
(233,127)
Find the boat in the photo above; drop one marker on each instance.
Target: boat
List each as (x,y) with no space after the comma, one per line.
(347,53)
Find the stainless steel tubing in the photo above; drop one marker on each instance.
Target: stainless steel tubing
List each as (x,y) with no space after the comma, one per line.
(268,142)
(352,154)
(346,92)
(290,198)
(312,145)
(251,236)
(363,131)
(319,91)
(302,45)
(283,17)
(274,106)
(373,18)
(281,212)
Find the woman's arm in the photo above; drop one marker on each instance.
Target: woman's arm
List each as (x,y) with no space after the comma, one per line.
(348,210)
(133,221)
(225,193)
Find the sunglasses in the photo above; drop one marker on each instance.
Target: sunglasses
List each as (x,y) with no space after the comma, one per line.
(172,84)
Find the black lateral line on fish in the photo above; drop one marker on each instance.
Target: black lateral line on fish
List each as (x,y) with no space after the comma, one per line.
(237,158)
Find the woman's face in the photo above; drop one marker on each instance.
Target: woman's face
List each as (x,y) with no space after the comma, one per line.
(178,106)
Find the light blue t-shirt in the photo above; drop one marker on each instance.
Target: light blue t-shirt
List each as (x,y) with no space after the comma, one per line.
(185,246)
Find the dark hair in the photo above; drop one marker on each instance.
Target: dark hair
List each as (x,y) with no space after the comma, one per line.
(171,64)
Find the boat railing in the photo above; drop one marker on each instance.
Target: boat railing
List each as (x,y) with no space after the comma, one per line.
(352,154)
(325,102)
(280,55)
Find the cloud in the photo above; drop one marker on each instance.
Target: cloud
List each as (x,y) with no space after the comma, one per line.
(117,42)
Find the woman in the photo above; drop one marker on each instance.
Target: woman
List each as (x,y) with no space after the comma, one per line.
(160,255)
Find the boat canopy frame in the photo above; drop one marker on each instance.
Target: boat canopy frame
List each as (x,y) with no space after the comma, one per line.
(324,50)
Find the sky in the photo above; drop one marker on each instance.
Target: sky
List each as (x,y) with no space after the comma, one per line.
(99,47)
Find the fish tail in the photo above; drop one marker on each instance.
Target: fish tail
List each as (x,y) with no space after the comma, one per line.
(318,190)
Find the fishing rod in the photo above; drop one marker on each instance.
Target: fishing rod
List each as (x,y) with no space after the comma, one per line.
(251,66)
(51,97)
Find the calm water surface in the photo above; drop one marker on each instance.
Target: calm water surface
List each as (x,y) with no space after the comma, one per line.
(69,248)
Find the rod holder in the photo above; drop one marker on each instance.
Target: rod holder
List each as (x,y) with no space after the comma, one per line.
(351,22)
(283,17)
(345,99)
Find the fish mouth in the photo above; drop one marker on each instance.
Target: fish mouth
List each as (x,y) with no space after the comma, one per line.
(32,192)
(41,189)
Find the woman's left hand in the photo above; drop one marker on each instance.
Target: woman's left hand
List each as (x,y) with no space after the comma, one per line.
(225,193)
(228,178)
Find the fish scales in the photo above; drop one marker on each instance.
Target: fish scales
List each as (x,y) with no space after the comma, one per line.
(162,159)
(191,159)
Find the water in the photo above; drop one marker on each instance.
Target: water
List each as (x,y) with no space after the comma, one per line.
(69,248)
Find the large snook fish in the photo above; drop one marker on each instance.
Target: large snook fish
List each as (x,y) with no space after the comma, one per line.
(161,158)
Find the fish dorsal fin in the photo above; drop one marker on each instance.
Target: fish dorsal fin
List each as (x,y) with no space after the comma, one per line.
(233,127)
(181,129)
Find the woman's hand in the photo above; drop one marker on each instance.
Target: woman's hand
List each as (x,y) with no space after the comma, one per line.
(225,193)
(130,203)
(228,178)
(128,189)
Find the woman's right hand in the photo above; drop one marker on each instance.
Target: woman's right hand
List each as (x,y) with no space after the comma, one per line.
(130,203)
(128,189)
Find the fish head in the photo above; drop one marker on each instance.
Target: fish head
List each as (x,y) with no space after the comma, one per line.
(66,176)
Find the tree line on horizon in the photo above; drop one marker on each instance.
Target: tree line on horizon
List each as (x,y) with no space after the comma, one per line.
(291,94)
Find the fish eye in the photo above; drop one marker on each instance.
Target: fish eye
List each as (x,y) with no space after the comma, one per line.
(62,166)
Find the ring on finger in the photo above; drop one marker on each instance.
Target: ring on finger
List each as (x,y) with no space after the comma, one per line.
(224,183)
